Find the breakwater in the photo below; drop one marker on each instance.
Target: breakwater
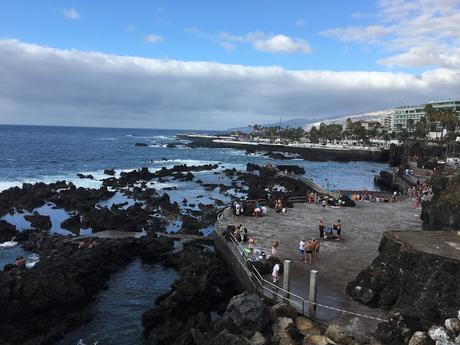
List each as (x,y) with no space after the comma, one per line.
(311,152)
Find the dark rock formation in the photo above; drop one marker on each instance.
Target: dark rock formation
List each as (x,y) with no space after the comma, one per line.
(163,172)
(39,221)
(109,172)
(294,169)
(72,224)
(205,286)
(7,231)
(443,210)
(141,144)
(419,288)
(41,304)
(276,155)
(83,176)
(384,180)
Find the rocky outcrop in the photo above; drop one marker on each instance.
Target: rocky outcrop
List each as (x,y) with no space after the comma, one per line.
(38,221)
(443,210)
(7,231)
(205,286)
(141,144)
(419,288)
(109,172)
(39,305)
(294,169)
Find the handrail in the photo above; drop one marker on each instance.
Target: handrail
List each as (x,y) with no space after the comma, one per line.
(285,294)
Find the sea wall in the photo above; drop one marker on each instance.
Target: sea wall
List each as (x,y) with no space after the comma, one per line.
(419,287)
(307,153)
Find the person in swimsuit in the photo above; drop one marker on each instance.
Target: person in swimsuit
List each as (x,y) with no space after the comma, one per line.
(321,228)
(309,248)
(316,250)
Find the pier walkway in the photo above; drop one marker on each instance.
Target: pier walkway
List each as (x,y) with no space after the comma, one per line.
(340,261)
(312,185)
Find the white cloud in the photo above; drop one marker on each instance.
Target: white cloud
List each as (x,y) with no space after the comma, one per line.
(153,38)
(278,44)
(71,13)
(42,85)
(415,33)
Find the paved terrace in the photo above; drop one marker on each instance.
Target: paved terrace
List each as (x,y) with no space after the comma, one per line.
(340,261)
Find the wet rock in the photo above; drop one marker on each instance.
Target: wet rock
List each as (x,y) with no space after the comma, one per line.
(276,155)
(134,176)
(420,338)
(305,327)
(171,146)
(38,221)
(72,224)
(281,310)
(191,225)
(252,167)
(141,144)
(227,338)
(7,231)
(109,172)
(83,176)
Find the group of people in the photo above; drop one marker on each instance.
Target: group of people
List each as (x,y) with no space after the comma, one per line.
(82,244)
(328,233)
(309,250)
(421,191)
(366,196)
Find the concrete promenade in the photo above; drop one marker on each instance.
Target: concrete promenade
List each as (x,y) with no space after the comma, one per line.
(340,261)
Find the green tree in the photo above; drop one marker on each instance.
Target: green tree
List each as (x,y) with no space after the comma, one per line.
(313,135)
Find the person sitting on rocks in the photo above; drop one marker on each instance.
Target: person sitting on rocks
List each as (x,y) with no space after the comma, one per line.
(237,233)
(81,245)
(92,244)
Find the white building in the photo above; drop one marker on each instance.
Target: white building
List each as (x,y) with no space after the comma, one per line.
(403,114)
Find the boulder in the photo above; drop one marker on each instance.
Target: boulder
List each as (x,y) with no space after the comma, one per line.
(246,314)
(306,327)
(141,144)
(258,339)
(283,332)
(453,325)
(335,333)
(439,333)
(72,224)
(420,338)
(281,310)
(227,338)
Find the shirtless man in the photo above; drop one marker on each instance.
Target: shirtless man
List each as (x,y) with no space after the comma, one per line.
(316,250)
(310,247)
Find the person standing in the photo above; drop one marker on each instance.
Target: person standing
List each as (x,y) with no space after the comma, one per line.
(321,228)
(275,273)
(302,250)
(316,250)
(275,248)
(338,228)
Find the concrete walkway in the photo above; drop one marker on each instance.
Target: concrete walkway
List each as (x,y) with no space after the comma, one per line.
(340,261)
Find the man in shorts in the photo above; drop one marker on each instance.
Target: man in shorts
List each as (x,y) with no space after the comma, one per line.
(275,273)
(310,246)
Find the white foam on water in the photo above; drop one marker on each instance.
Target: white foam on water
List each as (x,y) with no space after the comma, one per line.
(8,244)
(32,260)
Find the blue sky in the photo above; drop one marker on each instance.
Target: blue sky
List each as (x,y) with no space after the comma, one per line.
(386,46)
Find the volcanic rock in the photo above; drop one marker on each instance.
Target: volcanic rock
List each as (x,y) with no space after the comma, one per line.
(39,221)
(7,231)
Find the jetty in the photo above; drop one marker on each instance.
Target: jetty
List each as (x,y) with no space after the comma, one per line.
(307,151)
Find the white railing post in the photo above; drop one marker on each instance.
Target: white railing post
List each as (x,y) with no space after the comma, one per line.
(286,277)
(312,292)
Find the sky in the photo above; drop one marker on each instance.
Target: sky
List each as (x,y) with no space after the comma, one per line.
(220,64)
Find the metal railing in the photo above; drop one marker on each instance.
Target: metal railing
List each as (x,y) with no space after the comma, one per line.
(273,291)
